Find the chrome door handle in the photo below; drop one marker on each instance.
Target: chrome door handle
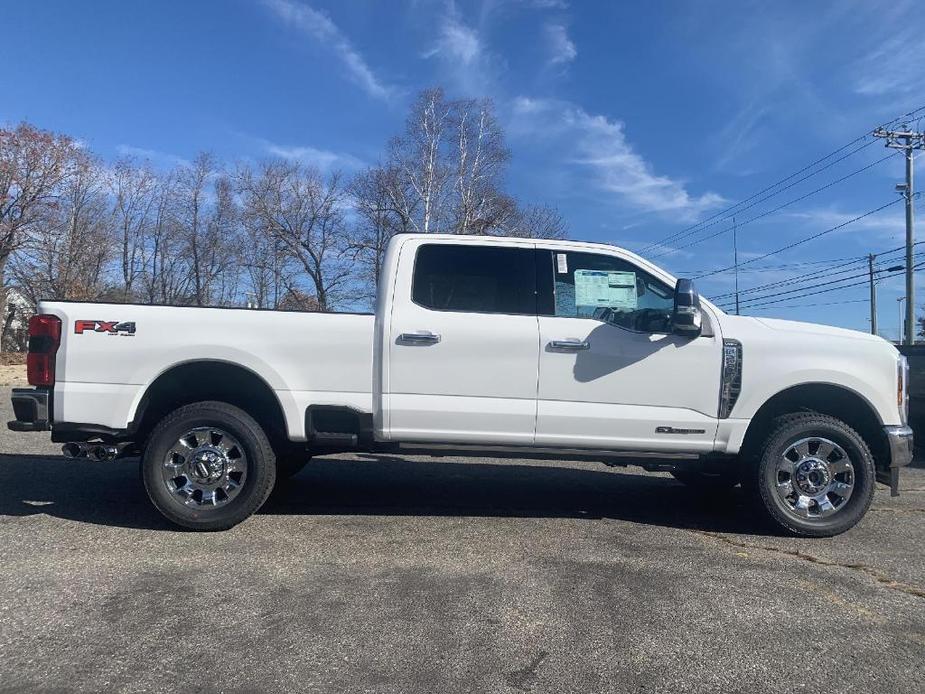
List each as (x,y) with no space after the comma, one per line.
(421,337)
(570,345)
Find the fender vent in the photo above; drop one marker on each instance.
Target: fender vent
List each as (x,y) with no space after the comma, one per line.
(731,377)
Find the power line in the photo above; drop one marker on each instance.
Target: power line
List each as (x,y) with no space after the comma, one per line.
(827,289)
(834,262)
(851,266)
(825,303)
(805,285)
(691,231)
(780,207)
(806,239)
(831,262)
(797,290)
(816,274)
(736,206)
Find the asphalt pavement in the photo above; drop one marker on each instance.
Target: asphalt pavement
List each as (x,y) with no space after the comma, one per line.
(384,573)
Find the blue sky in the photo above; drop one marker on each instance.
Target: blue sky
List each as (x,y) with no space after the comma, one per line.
(635,119)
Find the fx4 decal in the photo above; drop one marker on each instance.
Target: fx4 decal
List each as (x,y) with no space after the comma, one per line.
(110,327)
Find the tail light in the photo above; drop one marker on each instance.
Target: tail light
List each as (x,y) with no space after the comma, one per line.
(44,339)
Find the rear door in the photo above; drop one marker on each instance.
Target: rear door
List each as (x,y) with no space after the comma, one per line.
(463,343)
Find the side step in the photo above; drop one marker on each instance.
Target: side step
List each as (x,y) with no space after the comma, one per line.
(334,439)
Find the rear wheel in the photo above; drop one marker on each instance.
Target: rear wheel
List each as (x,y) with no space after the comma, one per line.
(814,476)
(208,466)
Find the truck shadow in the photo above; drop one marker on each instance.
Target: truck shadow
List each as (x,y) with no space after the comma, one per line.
(112,494)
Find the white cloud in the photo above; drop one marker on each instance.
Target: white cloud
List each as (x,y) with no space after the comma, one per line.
(323,159)
(319,27)
(889,224)
(896,66)
(469,67)
(152,155)
(596,144)
(459,42)
(561,48)
(544,4)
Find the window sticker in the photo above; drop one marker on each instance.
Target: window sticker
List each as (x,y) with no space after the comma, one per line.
(562,263)
(597,288)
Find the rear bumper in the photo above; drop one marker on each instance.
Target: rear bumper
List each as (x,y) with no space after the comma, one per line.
(900,441)
(31,407)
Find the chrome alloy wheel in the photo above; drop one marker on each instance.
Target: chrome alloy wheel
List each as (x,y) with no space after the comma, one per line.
(815,478)
(206,467)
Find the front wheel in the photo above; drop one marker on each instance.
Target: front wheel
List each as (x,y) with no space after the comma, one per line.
(814,476)
(208,466)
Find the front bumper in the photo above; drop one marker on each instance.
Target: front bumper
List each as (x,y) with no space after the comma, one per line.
(31,407)
(900,442)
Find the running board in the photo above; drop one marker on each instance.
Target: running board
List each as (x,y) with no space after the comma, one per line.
(651,460)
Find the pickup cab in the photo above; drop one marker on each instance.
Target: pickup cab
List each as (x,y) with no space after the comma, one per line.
(477,344)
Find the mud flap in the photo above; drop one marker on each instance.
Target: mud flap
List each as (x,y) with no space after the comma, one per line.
(889,477)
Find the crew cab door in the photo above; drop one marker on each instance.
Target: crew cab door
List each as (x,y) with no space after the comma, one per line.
(462,343)
(611,373)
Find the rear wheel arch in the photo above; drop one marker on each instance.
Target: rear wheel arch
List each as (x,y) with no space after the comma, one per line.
(214,380)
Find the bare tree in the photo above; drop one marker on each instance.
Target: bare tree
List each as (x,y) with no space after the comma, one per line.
(66,250)
(445,173)
(420,155)
(479,159)
(267,265)
(374,193)
(134,192)
(305,213)
(191,212)
(535,222)
(165,276)
(33,163)
(274,235)
(221,252)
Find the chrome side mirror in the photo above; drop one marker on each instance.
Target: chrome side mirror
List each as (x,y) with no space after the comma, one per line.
(686,318)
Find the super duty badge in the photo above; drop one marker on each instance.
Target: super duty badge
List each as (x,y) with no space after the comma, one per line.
(110,327)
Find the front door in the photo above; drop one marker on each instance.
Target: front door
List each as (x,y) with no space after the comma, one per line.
(463,344)
(611,373)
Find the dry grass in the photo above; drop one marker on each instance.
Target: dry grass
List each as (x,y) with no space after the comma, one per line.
(12,358)
(13,375)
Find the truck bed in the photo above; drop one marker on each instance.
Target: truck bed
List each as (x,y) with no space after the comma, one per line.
(110,354)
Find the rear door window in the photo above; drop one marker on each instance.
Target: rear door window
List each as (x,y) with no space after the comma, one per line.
(475,279)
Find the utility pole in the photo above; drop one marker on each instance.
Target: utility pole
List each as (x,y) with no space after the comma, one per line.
(735,256)
(900,301)
(873,291)
(908,141)
(873,295)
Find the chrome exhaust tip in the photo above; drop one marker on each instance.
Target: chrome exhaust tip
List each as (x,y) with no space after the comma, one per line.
(103,453)
(74,450)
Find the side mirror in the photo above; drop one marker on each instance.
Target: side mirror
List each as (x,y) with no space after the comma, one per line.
(686,318)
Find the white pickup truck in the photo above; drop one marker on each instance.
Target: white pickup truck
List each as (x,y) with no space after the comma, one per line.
(477,343)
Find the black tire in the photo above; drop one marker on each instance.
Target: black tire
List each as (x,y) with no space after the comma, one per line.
(259,463)
(706,481)
(764,477)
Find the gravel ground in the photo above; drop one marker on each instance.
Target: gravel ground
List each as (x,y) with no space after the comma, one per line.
(379,573)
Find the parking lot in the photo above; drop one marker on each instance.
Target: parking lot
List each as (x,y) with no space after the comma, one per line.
(394,574)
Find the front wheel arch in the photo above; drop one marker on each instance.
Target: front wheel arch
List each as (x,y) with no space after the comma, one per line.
(823,398)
